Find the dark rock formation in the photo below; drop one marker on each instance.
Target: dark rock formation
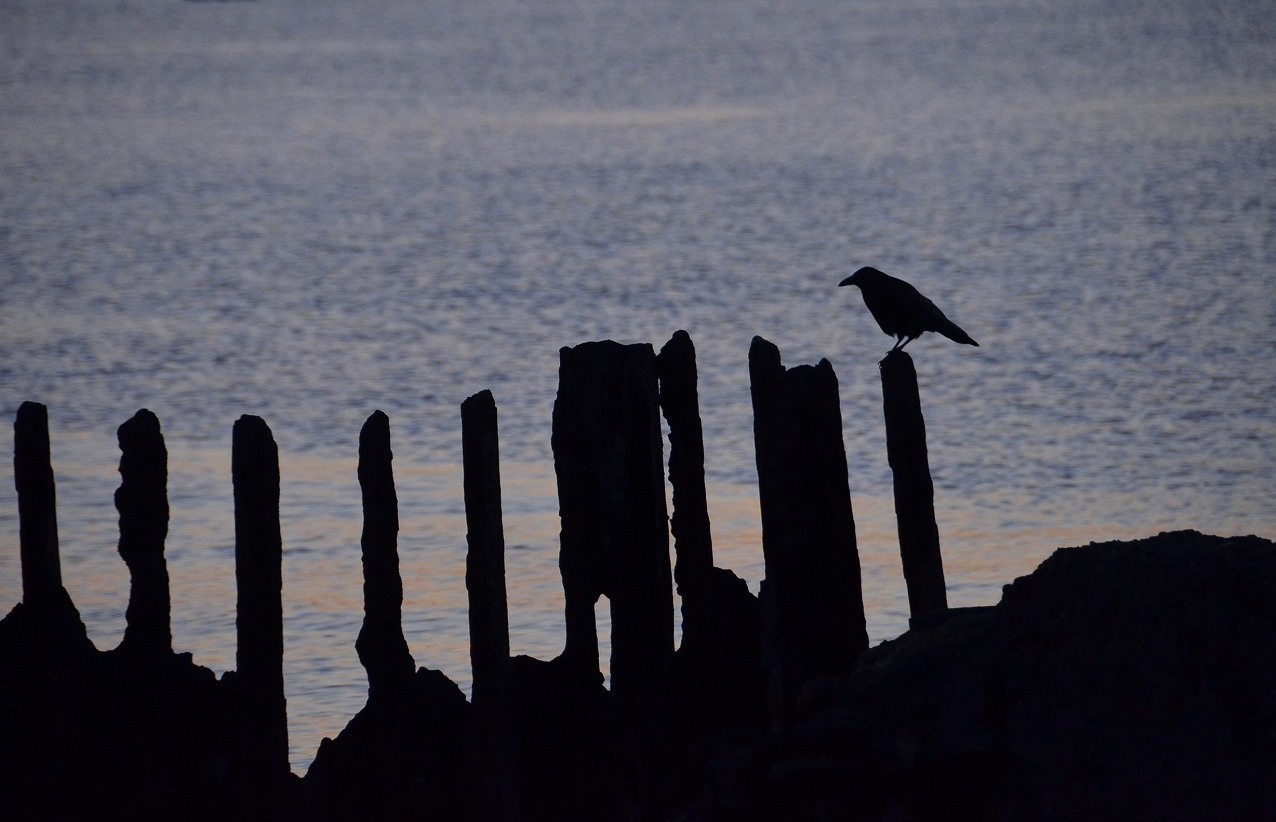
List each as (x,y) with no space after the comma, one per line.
(1123,680)
(812,605)
(136,732)
(914,491)
(405,755)
(574,760)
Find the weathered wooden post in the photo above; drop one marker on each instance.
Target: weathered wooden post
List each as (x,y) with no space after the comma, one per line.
(53,616)
(719,659)
(608,457)
(680,402)
(259,615)
(382,650)
(489,611)
(142,500)
(485,536)
(914,491)
(37,507)
(812,604)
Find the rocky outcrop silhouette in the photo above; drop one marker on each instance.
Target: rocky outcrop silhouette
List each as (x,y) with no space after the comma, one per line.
(1122,680)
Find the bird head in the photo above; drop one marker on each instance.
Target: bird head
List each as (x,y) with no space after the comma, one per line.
(859,277)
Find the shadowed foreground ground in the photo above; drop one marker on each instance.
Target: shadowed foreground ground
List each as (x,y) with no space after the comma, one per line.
(1117,681)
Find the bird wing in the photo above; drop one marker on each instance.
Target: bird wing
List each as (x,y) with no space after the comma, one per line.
(924,315)
(936,321)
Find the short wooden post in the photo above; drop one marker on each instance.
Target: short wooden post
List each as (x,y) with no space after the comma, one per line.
(142,500)
(259,614)
(485,536)
(57,623)
(812,604)
(382,650)
(914,491)
(37,507)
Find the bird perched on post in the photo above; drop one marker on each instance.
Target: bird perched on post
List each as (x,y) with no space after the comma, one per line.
(901,310)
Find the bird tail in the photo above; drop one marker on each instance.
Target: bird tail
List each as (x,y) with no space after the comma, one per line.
(953,332)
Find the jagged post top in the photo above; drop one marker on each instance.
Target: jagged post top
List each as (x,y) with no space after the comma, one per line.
(680,404)
(142,502)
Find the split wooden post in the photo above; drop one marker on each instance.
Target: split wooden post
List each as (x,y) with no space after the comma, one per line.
(812,602)
(690,520)
(608,457)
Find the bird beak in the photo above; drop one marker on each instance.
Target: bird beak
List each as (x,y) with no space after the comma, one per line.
(848,281)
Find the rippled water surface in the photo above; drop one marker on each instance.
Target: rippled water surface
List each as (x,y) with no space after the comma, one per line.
(311,210)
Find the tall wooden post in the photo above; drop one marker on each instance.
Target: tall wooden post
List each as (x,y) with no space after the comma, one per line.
(259,614)
(142,500)
(382,650)
(690,521)
(812,604)
(719,658)
(914,491)
(489,611)
(485,558)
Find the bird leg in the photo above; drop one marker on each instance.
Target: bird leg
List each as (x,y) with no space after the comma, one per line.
(903,340)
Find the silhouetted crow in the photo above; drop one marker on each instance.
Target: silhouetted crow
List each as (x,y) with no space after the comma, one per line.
(901,310)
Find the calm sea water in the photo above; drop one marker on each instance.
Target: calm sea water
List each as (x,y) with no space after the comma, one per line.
(311,209)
